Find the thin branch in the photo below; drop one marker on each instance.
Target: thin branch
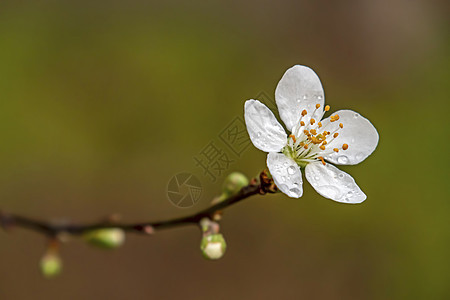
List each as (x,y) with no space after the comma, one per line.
(262,186)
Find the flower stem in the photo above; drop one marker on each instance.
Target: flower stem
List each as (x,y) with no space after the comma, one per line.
(260,186)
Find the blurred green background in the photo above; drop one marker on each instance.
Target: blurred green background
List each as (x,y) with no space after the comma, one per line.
(102,102)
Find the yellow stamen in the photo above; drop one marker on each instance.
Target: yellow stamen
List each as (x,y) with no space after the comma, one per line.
(314,140)
(327,108)
(336,150)
(304,112)
(345,146)
(302,123)
(320,124)
(293,137)
(306,132)
(322,147)
(313,131)
(317,106)
(334,118)
(341,125)
(312,121)
(321,158)
(306,146)
(335,135)
(324,143)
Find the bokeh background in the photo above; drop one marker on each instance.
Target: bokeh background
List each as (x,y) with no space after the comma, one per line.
(102,102)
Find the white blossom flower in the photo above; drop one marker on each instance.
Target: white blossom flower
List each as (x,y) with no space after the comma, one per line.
(344,138)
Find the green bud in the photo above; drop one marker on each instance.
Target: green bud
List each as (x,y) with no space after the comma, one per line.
(234,183)
(105,238)
(213,246)
(51,265)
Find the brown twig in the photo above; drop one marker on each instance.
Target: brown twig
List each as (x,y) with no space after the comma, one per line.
(262,186)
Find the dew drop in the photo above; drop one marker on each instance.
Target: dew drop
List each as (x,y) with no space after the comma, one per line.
(331,192)
(291,170)
(355,116)
(341,175)
(305,97)
(299,100)
(349,194)
(258,134)
(319,97)
(342,159)
(316,178)
(283,178)
(295,192)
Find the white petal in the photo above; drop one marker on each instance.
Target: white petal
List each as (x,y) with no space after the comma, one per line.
(299,89)
(286,174)
(358,133)
(333,183)
(264,130)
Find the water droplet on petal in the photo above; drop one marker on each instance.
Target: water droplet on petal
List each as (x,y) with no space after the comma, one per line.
(258,134)
(355,116)
(319,97)
(295,192)
(341,175)
(291,170)
(283,178)
(316,178)
(305,97)
(331,191)
(349,194)
(342,159)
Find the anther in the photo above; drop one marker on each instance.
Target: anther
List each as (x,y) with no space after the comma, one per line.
(313,131)
(304,112)
(322,147)
(315,140)
(321,158)
(327,108)
(293,137)
(320,124)
(312,121)
(317,105)
(345,147)
(306,132)
(336,150)
(324,143)
(335,135)
(341,125)
(302,123)
(306,146)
